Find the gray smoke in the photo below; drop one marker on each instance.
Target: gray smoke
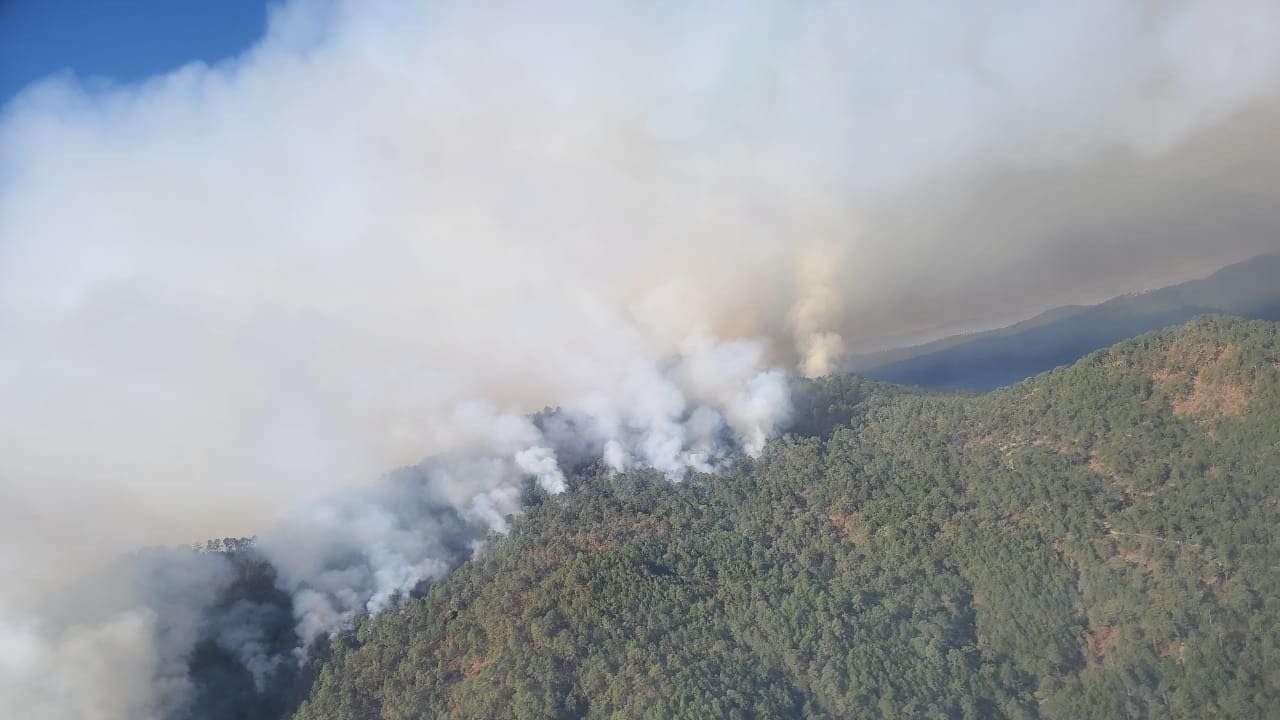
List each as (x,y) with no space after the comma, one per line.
(230,295)
(115,644)
(242,630)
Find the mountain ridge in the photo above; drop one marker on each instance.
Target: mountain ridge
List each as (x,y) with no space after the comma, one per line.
(1096,541)
(993,358)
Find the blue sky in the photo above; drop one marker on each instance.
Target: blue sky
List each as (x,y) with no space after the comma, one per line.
(122,40)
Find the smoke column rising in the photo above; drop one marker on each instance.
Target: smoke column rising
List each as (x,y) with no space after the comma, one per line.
(232,295)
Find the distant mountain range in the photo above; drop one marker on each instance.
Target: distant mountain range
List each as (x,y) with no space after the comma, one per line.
(995,358)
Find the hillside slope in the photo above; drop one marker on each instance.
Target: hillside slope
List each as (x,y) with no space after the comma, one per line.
(986,360)
(1099,541)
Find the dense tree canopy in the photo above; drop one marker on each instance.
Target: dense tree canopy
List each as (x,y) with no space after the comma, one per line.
(1099,541)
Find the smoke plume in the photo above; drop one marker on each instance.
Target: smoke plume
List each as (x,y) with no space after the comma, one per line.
(232,295)
(819,311)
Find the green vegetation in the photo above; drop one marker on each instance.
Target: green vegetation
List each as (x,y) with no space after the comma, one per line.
(1099,541)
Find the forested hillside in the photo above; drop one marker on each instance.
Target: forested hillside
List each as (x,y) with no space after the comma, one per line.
(1099,541)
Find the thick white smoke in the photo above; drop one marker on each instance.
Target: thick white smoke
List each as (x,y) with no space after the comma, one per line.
(357,551)
(352,553)
(231,295)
